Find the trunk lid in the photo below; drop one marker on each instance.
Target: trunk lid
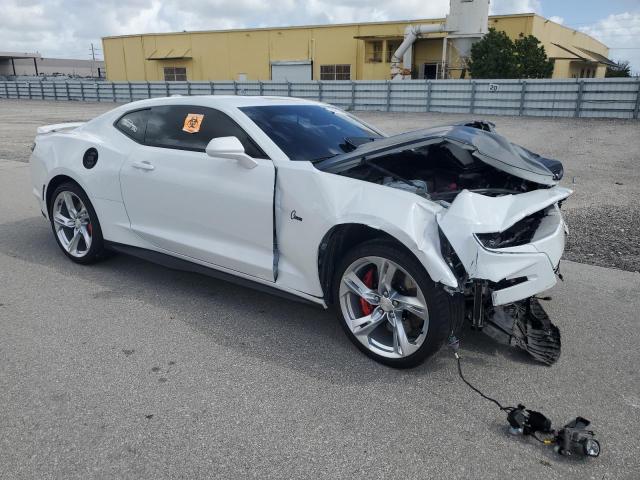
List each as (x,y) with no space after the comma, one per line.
(58,127)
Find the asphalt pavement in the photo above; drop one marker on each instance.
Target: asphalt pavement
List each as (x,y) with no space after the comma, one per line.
(126,369)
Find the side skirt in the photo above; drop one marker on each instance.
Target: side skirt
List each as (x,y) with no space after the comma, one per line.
(175,263)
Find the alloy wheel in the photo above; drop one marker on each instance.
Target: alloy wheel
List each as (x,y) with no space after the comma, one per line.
(384,307)
(72,224)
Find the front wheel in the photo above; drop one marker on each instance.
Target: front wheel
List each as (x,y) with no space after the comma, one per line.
(75,224)
(388,306)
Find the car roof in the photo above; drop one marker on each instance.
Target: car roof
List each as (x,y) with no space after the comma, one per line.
(219,101)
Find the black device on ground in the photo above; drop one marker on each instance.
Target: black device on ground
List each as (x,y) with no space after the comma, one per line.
(572,439)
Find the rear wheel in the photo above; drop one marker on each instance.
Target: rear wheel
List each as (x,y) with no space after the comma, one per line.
(388,305)
(75,224)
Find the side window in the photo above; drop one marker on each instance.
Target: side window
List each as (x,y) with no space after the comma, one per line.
(134,124)
(189,127)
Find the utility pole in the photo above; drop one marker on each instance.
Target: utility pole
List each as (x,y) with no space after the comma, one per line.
(93,59)
(94,51)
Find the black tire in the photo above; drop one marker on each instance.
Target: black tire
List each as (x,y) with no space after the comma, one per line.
(437,300)
(96,251)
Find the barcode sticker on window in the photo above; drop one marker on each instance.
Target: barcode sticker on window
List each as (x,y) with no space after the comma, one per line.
(192,123)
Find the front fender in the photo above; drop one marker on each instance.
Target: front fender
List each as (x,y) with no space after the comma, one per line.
(321,201)
(417,229)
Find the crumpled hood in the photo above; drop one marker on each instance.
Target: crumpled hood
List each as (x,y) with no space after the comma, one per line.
(483,214)
(487,146)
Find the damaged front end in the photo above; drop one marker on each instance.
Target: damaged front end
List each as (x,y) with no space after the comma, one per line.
(505,251)
(501,231)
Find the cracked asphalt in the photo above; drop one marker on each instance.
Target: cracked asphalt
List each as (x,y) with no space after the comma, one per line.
(126,369)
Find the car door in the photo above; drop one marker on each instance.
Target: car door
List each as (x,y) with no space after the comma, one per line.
(188,203)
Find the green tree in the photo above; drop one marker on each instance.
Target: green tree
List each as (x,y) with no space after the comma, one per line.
(531,58)
(493,57)
(622,69)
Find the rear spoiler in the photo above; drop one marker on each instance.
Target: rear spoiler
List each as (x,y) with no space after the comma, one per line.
(58,127)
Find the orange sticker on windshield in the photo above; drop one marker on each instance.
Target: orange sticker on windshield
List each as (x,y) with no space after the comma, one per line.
(192,123)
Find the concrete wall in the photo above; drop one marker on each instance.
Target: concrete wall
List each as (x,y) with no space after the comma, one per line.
(52,66)
(226,55)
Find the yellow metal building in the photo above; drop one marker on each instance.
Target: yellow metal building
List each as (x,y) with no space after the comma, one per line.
(328,52)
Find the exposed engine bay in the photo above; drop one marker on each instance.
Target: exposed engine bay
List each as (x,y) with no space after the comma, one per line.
(467,156)
(439,172)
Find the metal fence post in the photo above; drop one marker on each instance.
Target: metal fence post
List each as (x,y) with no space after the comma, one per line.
(579,98)
(429,87)
(82,90)
(636,112)
(130,92)
(29,89)
(319,91)
(66,87)
(148,90)
(212,88)
(472,105)
(55,90)
(523,94)
(188,88)
(388,95)
(353,95)
(288,88)
(260,87)
(6,90)
(235,87)
(113,90)
(41,90)
(166,88)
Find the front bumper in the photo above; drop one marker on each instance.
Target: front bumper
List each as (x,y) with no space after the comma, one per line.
(533,266)
(516,272)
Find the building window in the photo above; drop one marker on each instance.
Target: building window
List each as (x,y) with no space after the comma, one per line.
(392,46)
(373,51)
(175,74)
(335,72)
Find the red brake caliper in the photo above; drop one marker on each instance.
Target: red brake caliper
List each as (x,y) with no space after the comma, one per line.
(90,229)
(367,308)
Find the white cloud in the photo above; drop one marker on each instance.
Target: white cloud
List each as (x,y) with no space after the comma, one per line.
(620,33)
(557,19)
(504,7)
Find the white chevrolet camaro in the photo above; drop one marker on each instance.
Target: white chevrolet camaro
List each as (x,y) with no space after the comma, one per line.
(407,236)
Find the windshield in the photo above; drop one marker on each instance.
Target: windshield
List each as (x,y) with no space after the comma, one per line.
(310,132)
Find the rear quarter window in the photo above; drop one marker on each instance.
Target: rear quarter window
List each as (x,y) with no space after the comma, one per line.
(134,124)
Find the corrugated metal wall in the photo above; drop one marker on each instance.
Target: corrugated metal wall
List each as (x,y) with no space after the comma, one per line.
(613,98)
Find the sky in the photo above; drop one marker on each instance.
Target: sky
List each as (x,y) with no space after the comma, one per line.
(67,28)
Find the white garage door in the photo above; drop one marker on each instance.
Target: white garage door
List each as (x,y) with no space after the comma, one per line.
(291,71)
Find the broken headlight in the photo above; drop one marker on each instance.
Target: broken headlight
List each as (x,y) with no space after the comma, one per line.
(518,234)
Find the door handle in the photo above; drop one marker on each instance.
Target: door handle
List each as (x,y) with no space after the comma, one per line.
(144,165)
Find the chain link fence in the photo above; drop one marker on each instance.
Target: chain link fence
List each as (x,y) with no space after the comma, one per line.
(612,98)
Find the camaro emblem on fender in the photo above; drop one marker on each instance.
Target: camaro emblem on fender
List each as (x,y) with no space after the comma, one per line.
(294,216)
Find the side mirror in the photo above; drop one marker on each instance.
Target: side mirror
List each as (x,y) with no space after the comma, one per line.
(231,148)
